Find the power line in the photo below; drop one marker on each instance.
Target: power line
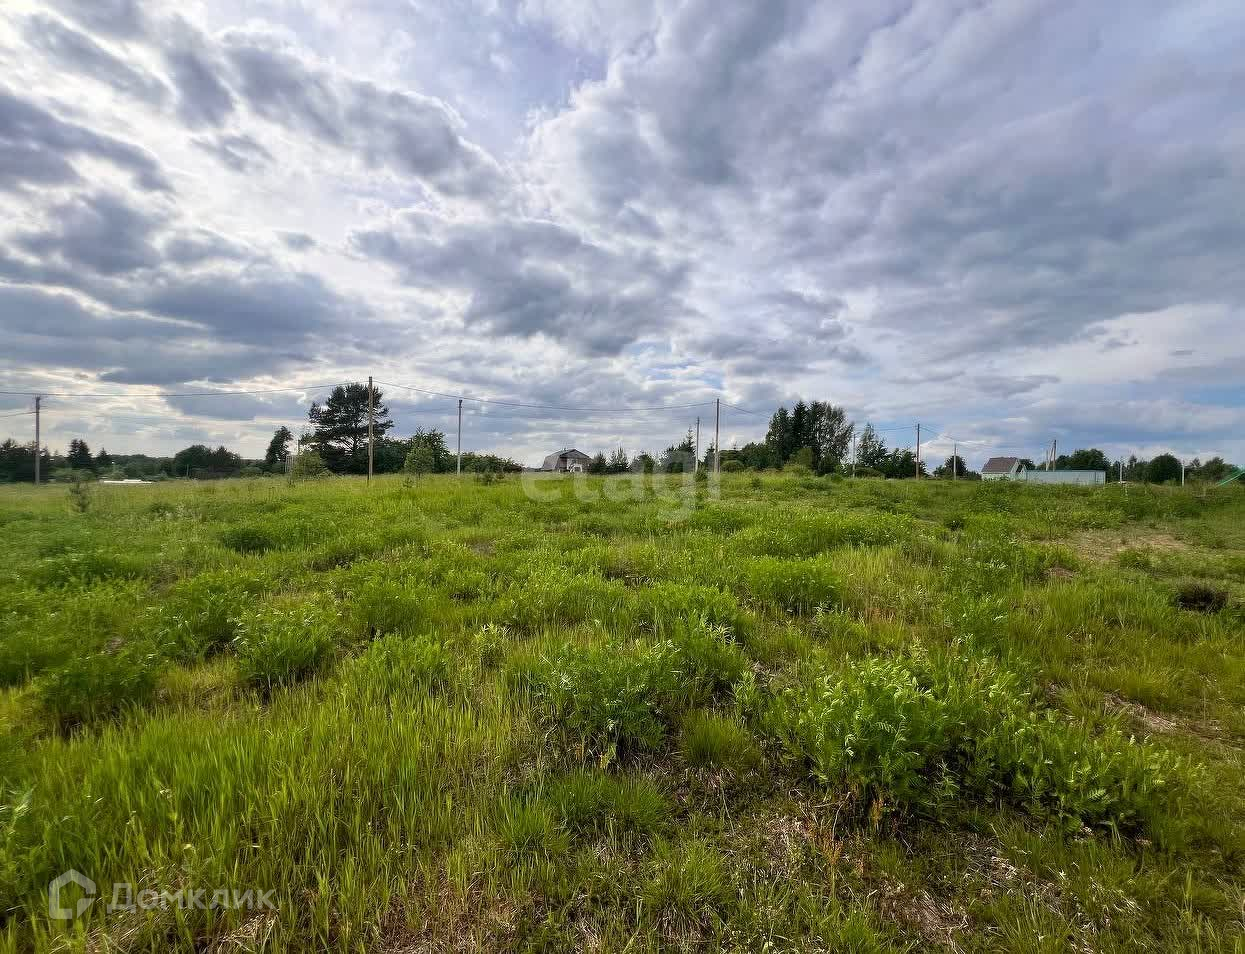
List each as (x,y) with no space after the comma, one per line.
(549,407)
(18,414)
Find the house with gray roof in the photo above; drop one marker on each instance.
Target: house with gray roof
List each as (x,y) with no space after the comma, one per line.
(567,461)
(1001,468)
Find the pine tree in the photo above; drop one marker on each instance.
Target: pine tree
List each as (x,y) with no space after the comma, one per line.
(79,456)
(278,448)
(871,449)
(340,427)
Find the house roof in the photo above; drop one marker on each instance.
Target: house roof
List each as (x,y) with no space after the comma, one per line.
(551,462)
(1000,465)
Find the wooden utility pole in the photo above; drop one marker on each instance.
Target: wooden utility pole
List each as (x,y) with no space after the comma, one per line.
(955,460)
(371,402)
(918,450)
(459,468)
(854,441)
(717,435)
(696,468)
(1054,452)
(38,402)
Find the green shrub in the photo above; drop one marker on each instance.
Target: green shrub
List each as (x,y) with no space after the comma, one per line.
(609,696)
(94,685)
(732,466)
(308,465)
(594,801)
(248,539)
(710,740)
(379,606)
(665,607)
(201,614)
(83,568)
(925,732)
(797,586)
(278,645)
(1201,598)
(709,659)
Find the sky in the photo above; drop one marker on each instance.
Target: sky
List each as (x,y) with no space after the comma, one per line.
(1015,221)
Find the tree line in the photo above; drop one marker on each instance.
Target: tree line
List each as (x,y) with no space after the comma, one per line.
(339,439)
(815,436)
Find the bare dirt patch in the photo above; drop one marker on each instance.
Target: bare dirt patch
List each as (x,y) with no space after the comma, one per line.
(1206,729)
(1103,546)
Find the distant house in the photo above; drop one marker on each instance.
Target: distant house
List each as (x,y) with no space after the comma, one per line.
(1001,468)
(1090,477)
(1011,468)
(567,461)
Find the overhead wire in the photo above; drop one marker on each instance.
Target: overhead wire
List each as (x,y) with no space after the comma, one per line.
(587,409)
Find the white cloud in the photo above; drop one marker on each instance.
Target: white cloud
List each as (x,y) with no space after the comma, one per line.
(1007,218)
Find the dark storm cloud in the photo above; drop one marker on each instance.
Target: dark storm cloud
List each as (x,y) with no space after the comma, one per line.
(284,309)
(100,232)
(411,134)
(202,98)
(37,149)
(78,52)
(195,246)
(241,407)
(527,277)
(1001,180)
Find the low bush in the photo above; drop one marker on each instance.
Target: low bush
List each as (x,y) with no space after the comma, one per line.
(1201,598)
(612,697)
(709,659)
(94,685)
(278,645)
(84,568)
(248,538)
(925,732)
(378,606)
(625,698)
(797,586)
(201,614)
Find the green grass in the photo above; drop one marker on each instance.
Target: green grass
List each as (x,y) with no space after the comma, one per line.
(801,714)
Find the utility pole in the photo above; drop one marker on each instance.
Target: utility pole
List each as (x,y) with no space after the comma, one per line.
(459,469)
(1182,472)
(38,403)
(1121,463)
(955,461)
(370,404)
(1054,452)
(854,440)
(717,435)
(918,450)
(696,468)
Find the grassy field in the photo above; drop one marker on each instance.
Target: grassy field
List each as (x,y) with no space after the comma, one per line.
(801,714)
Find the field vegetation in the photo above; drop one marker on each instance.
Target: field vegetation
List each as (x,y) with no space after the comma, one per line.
(801,713)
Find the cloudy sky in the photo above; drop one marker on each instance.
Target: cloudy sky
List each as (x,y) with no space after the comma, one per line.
(1012,220)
